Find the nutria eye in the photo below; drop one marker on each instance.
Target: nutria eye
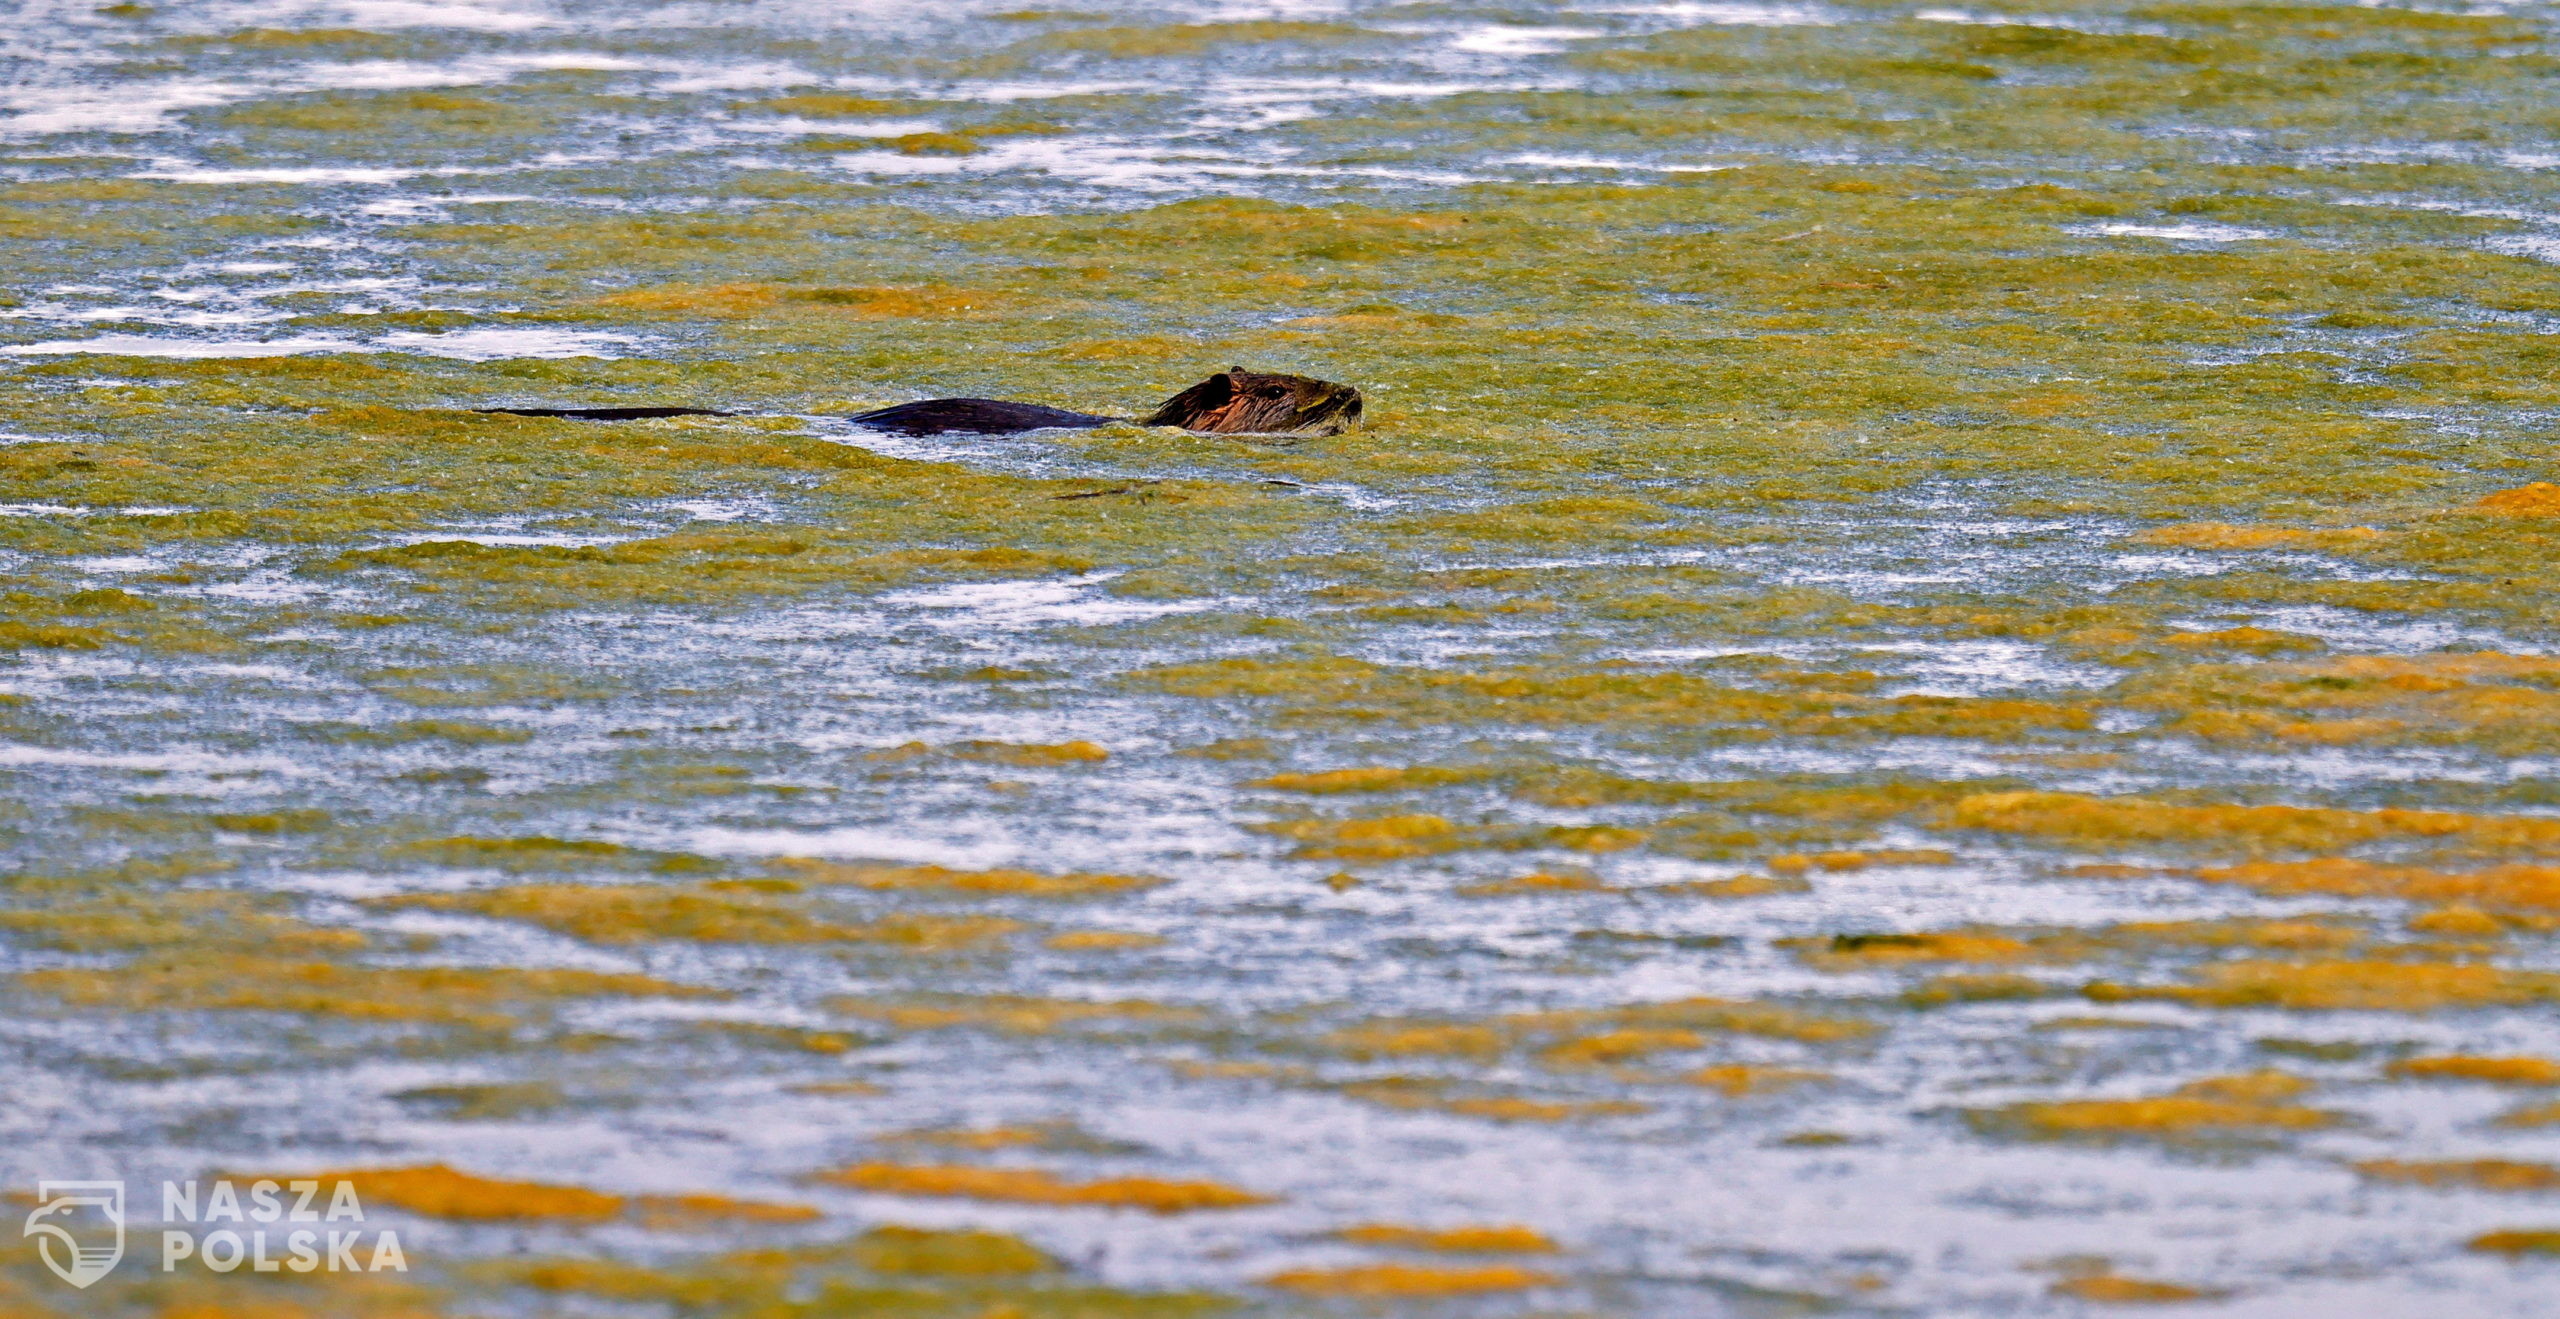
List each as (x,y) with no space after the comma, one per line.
(1275,392)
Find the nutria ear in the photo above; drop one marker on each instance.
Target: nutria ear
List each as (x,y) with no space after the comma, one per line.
(1192,404)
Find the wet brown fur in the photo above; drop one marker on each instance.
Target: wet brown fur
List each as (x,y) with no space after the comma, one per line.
(1241,402)
(1234,402)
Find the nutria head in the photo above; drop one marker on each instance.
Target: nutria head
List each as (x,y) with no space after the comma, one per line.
(1241,402)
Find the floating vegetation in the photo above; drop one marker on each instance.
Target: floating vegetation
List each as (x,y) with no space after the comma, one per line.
(1921,596)
(1379,1281)
(2485,1174)
(1499,1240)
(438,1191)
(2252,1105)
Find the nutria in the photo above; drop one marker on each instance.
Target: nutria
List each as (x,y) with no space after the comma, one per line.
(1235,402)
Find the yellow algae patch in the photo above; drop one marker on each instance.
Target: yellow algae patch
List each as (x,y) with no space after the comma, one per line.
(1588,1037)
(2495,1071)
(1036,1186)
(784,1037)
(2489,700)
(2538,500)
(2250,640)
(492,997)
(1416,1093)
(2116,1289)
(2241,1105)
(928,144)
(1592,837)
(1102,941)
(1844,952)
(983,1138)
(1797,863)
(2223,536)
(1850,952)
(1618,1046)
(972,883)
(1381,1281)
(1503,1239)
(2460,921)
(1394,1040)
(2303,935)
(892,1248)
(1013,1014)
(629,913)
(710,913)
(1531,885)
(2509,887)
(1030,755)
(2436,673)
(1940,991)
(831,105)
(1375,778)
(2476,1174)
(1721,1015)
(1374,838)
(1990,946)
(2531,1115)
(1740,886)
(204,921)
(1231,1070)
(2374,986)
(1736,1080)
(439,1191)
(2514,1241)
(2071,818)
(1505,1108)
(2254,725)
(2260,1087)
(688,1210)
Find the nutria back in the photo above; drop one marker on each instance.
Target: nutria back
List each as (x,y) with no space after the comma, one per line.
(982,416)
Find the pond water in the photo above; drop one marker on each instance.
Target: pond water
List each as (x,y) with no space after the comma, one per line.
(1929,691)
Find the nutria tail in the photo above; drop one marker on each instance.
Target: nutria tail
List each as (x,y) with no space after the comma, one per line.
(983,416)
(1242,402)
(605,414)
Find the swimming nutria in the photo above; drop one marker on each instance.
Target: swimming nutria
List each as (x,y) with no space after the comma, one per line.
(1234,402)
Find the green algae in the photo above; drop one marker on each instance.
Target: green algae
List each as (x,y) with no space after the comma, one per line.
(1599,411)
(888,1271)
